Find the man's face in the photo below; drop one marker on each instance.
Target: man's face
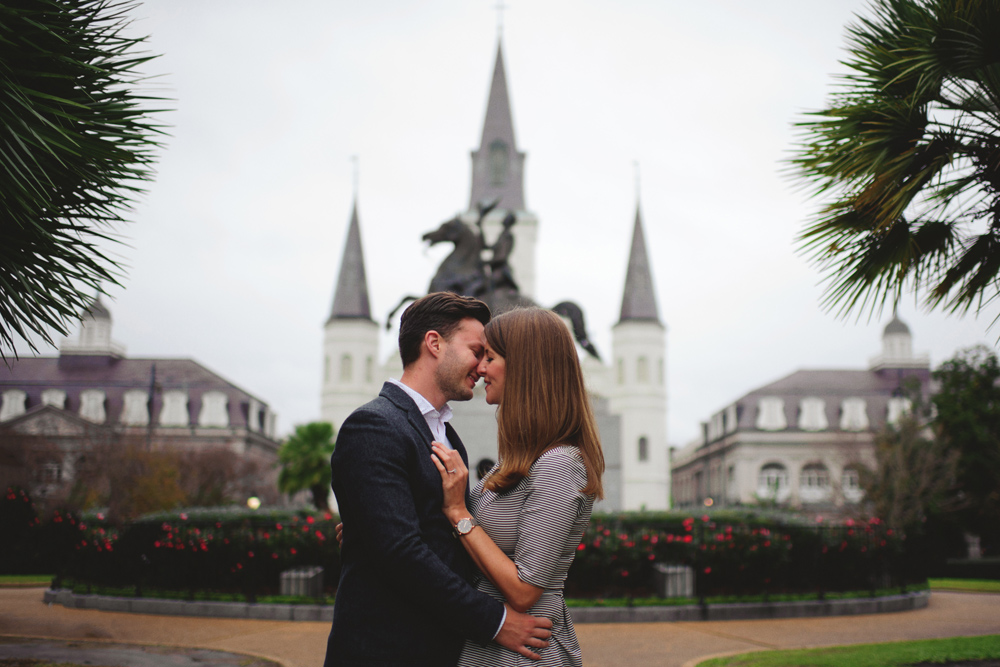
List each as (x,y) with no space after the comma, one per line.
(457,371)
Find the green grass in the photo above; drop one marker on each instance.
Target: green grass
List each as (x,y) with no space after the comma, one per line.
(966,585)
(18,580)
(893,654)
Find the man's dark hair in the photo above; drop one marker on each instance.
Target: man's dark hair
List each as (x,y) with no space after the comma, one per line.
(438,311)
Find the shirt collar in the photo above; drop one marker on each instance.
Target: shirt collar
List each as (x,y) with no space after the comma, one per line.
(425,407)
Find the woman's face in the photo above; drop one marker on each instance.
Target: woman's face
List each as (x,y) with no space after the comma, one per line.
(491,368)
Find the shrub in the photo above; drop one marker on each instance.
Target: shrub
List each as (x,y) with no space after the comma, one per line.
(732,554)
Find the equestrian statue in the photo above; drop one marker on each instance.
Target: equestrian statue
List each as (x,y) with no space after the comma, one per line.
(466,272)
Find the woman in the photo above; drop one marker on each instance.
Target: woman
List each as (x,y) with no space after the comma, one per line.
(529,513)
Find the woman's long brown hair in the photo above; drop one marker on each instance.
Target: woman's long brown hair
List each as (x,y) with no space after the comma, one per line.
(545,402)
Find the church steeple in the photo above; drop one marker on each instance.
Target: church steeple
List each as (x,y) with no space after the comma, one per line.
(350,300)
(497,166)
(639,299)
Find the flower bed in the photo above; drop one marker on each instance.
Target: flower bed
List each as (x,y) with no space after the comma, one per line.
(242,552)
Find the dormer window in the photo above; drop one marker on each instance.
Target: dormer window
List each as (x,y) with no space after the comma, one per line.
(812,414)
(771,414)
(853,415)
(175,408)
(136,409)
(14,401)
(54,397)
(92,405)
(898,407)
(214,410)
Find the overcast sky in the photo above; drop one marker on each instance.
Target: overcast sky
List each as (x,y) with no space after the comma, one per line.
(234,252)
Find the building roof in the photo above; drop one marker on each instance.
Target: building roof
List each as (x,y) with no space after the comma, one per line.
(350,300)
(639,298)
(76,373)
(97,309)
(832,387)
(498,131)
(896,326)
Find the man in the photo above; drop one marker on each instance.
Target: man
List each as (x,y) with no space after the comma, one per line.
(405,596)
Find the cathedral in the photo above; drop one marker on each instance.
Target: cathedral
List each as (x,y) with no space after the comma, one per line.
(629,392)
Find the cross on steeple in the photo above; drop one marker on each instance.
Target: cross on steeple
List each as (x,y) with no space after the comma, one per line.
(354,161)
(500,6)
(635,164)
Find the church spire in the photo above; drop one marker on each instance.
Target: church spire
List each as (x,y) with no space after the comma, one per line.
(639,299)
(497,166)
(350,300)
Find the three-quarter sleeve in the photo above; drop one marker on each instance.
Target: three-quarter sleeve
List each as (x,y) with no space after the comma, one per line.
(548,529)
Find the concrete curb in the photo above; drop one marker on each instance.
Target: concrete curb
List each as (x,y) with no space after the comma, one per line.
(752,610)
(265,612)
(324,613)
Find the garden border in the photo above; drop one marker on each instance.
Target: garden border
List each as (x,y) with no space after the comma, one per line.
(309,612)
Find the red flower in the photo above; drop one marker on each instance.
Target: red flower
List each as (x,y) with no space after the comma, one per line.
(309,519)
(580,547)
(708,570)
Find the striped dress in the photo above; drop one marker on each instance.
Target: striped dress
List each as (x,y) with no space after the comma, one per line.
(538,524)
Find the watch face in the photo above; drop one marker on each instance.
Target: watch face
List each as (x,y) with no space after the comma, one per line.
(464,526)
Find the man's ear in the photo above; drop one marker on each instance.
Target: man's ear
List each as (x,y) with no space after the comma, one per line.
(433,342)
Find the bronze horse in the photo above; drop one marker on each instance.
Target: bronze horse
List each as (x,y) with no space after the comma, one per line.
(464,272)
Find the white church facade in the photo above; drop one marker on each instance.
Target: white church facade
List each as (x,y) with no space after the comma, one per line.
(629,392)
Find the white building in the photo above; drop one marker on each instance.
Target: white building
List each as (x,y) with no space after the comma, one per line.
(629,394)
(800,441)
(53,410)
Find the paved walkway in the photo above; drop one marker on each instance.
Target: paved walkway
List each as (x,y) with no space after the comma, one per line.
(302,644)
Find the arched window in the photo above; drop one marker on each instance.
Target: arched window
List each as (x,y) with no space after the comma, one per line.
(814,483)
(498,163)
(642,370)
(346,368)
(369,368)
(850,485)
(326,368)
(643,448)
(621,370)
(772,482)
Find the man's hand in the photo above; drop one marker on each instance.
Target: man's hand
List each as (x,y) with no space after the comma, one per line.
(521,631)
(340,534)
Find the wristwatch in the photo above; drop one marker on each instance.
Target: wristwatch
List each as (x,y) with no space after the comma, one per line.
(465,526)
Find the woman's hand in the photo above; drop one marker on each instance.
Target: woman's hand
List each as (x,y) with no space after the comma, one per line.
(454,480)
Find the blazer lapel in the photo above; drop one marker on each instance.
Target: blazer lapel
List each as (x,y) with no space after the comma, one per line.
(403,401)
(456,442)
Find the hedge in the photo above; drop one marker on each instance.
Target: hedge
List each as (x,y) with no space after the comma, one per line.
(242,551)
